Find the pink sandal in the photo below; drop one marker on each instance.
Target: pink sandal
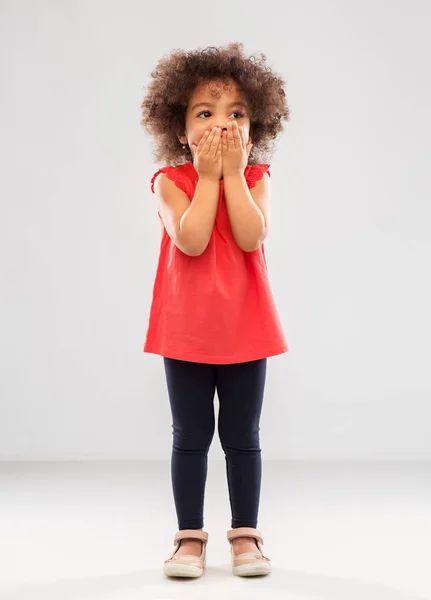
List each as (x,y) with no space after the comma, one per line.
(248,564)
(187,565)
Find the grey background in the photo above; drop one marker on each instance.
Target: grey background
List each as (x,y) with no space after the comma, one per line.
(348,253)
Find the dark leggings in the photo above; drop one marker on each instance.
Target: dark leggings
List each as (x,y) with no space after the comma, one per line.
(240,390)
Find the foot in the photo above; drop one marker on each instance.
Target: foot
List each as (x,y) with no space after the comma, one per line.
(244,544)
(189,546)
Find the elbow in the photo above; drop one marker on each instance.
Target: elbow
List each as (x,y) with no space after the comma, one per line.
(196,252)
(248,248)
(198,249)
(193,250)
(252,245)
(253,248)
(190,251)
(191,247)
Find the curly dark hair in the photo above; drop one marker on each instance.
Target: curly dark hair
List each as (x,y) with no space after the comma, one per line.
(179,73)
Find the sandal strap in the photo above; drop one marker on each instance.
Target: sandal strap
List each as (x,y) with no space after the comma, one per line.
(245,532)
(195,534)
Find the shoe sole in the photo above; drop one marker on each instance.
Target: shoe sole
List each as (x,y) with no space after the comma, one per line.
(181,570)
(251,570)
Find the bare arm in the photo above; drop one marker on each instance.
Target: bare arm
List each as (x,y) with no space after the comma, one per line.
(197,223)
(248,210)
(189,224)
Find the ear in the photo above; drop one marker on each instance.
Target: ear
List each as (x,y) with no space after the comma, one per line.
(182,137)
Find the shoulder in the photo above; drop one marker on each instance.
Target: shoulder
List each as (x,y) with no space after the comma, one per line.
(178,174)
(253,173)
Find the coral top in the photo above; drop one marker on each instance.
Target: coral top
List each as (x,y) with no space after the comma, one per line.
(218,307)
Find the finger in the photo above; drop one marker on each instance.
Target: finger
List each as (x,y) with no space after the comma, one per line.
(241,137)
(203,140)
(229,135)
(242,133)
(216,141)
(224,140)
(227,146)
(211,134)
(216,138)
(210,140)
(235,135)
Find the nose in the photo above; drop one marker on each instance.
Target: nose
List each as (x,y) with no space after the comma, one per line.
(223,124)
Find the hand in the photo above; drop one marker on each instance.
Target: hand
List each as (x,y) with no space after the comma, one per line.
(207,155)
(235,150)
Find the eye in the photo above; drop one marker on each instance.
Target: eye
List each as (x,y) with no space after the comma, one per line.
(241,115)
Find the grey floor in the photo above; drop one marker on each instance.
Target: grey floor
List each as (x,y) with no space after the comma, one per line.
(101,530)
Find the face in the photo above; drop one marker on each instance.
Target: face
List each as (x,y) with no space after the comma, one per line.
(217,105)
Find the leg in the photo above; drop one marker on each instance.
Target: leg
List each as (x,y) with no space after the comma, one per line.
(240,388)
(191,388)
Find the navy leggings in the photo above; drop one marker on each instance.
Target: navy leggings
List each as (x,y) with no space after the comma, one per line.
(240,390)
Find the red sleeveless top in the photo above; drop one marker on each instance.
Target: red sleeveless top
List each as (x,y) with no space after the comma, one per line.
(218,307)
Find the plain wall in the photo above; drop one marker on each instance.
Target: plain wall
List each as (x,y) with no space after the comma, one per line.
(348,252)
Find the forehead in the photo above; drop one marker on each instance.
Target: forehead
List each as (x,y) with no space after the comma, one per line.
(215,91)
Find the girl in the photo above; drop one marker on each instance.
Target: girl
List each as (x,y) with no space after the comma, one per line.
(213,114)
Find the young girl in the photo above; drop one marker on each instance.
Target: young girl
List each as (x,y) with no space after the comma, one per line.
(213,114)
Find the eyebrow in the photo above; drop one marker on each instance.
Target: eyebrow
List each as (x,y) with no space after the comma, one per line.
(239,103)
